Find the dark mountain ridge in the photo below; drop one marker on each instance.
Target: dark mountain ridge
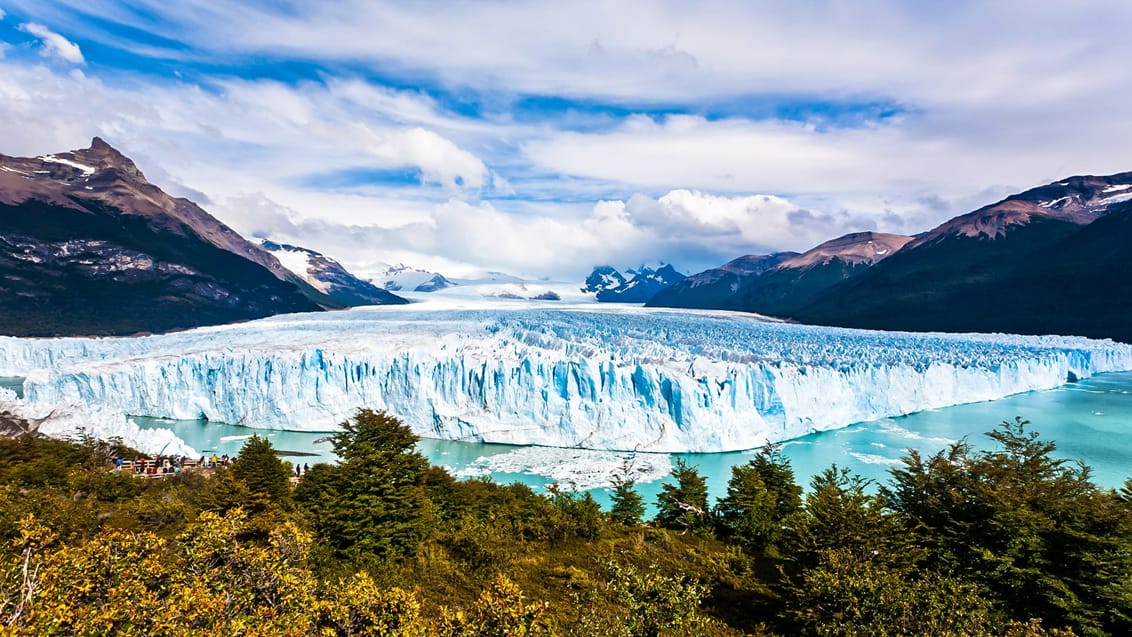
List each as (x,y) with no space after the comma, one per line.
(781,283)
(89,247)
(714,288)
(1050,260)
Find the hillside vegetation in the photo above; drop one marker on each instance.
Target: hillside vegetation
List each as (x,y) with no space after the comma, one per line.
(1004,542)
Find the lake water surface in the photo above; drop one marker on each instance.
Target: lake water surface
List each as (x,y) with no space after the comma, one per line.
(1090,420)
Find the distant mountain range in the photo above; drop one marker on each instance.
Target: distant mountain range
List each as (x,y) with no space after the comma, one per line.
(781,283)
(610,286)
(396,278)
(89,247)
(1054,259)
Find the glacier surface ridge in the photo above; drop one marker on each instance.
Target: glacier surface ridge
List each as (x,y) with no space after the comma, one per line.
(610,378)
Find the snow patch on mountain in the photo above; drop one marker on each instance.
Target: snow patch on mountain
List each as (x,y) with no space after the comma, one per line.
(87,171)
(299,262)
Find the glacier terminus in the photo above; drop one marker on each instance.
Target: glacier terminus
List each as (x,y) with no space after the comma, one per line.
(594,377)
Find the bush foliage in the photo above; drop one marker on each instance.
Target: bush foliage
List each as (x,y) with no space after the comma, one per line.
(1009,541)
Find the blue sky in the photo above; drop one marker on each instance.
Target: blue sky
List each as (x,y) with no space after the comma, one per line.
(544,138)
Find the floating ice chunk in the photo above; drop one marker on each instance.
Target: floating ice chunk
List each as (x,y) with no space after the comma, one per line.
(572,469)
(872,458)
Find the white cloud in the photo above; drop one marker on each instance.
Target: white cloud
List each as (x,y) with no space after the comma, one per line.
(440,160)
(989,98)
(724,226)
(461,238)
(54,45)
(2,14)
(877,167)
(1013,51)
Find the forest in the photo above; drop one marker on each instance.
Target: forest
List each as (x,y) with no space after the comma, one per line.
(1009,541)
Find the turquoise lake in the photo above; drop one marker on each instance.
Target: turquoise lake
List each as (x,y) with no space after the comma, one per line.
(1090,420)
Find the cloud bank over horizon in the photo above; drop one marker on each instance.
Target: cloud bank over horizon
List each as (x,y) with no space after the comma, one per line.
(542,140)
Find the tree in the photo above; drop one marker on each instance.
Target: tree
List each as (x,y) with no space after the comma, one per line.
(839,514)
(374,504)
(1031,530)
(778,477)
(628,505)
(846,597)
(262,471)
(746,513)
(684,505)
(760,496)
(501,611)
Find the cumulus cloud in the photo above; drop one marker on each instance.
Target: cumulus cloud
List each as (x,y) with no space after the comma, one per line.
(54,45)
(440,160)
(670,119)
(693,229)
(719,225)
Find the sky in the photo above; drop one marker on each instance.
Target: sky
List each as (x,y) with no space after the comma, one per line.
(541,139)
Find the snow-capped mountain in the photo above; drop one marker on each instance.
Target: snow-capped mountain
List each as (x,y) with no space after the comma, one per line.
(398,278)
(1043,275)
(1077,200)
(89,246)
(329,277)
(603,278)
(641,284)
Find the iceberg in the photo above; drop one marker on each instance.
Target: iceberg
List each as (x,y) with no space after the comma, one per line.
(596,377)
(75,421)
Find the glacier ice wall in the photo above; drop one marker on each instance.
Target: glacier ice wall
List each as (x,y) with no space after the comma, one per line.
(599,378)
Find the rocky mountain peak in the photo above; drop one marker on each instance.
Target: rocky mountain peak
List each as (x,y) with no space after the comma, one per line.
(102,155)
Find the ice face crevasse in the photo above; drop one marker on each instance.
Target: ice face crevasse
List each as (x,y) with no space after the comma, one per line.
(601,379)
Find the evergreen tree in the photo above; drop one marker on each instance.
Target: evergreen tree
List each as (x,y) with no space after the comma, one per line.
(778,477)
(1125,492)
(1029,528)
(628,505)
(746,513)
(684,505)
(760,496)
(840,515)
(374,504)
(262,471)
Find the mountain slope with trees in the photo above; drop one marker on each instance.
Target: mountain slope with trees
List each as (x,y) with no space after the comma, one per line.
(1009,541)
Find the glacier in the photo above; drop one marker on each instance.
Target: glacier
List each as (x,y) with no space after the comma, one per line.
(618,378)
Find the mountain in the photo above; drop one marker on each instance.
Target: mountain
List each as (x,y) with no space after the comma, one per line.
(329,277)
(603,278)
(799,280)
(396,278)
(610,286)
(89,247)
(780,283)
(1050,260)
(713,289)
